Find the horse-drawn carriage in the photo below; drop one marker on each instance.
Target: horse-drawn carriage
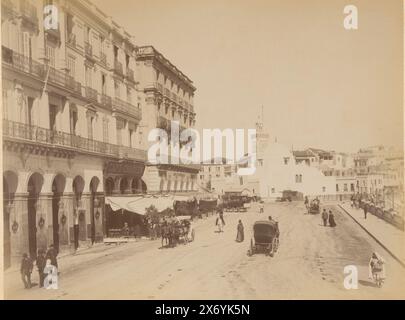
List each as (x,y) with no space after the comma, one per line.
(235,203)
(178,230)
(314,207)
(265,238)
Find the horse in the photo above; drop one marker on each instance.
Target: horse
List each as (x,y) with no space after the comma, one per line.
(166,234)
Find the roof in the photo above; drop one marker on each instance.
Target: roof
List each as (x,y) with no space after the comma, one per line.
(302,153)
(268,222)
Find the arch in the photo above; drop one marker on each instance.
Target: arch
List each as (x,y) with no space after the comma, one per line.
(58,187)
(94,183)
(144,187)
(35,183)
(34,187)
(109,186)
(10,179)
(123,185)
(59,183)
(78,184)
(134,185)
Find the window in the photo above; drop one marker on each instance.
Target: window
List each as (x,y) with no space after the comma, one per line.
(286,159)
(103,84)
(127,60)
(129,95)
(117,89)
(130,133)
(90,124)
(115,52)
(323,189)
(105,130)
(50,55)
(71,66)
(30,102)
(73,121)
(337,187)
(88,72)
(87,35)
(273,190)
(52,117)
(101,45)
(298,178)
(345,187)
(352,187)
(5,104)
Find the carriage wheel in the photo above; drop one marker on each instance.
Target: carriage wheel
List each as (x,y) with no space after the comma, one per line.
(276,244)
(273,247)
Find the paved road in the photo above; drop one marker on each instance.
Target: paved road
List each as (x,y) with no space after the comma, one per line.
(308,265)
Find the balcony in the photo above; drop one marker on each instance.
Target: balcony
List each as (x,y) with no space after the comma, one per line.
(159,87)
(91,94)
(126,108)
(88,50)
(26,65)
(130,75)
(118,68)
(22,63)
(24,132)
(29,13)
(103,59)
(63,79)
(174,97)
(105,101)
(167,93)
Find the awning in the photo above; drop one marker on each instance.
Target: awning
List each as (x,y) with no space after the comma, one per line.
(139,204)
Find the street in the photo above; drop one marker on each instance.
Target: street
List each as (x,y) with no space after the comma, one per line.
(308,265)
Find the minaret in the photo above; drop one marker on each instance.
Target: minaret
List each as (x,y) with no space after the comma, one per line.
(262,139)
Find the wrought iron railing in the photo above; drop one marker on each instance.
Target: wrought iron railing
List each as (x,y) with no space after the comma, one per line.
(103,59)
(88,49)
(22,131)
(91,94)
(22,63)
(105,100)
(25,64)
(125,107)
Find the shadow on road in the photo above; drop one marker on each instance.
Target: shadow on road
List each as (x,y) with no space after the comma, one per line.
(367,283)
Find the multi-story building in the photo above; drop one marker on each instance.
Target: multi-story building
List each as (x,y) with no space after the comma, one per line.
(71,115)
(169,97)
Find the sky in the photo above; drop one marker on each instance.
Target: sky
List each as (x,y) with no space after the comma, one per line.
(320,85)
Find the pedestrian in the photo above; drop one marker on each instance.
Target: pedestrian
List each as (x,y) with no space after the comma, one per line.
(365,211)
(41,263)
(261,207)
(240,235)
(270,218)
(332,222)
(52,255)
(76,228)
(306,202)
(325,217)
(26,270)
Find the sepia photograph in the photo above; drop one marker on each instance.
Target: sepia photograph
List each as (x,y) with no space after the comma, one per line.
(202,150)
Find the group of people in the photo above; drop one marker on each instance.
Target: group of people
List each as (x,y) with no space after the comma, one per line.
(42,260)
(328,217)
